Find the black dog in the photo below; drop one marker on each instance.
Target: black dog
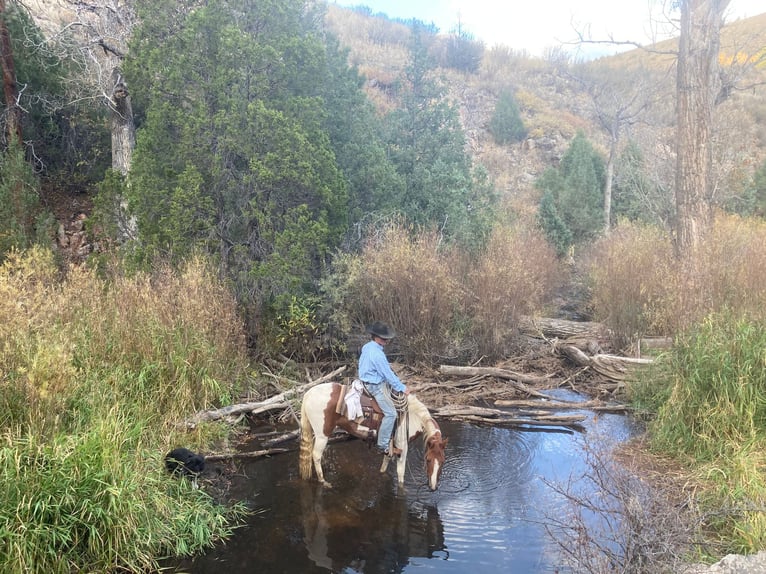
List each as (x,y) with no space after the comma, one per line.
(183,462)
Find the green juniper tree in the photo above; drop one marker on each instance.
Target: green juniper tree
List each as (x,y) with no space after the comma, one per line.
(506,124)
(572,204)
(427,146)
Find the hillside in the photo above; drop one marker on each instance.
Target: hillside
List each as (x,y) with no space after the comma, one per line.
(555,105)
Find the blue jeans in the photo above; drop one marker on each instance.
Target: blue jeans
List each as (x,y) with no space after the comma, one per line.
(380,392)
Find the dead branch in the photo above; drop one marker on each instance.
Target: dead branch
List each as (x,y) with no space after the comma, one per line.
(277,402)
(254,454)
(516,379)
(613,367)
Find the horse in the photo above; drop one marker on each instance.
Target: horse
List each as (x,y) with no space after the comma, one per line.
(319,419)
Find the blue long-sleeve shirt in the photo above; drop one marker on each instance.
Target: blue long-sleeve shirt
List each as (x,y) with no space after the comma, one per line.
(374,367)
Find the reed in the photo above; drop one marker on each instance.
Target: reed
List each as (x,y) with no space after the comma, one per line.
(714,418)
(95,372)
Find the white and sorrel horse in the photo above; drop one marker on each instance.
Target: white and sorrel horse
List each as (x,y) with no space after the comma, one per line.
(319,419)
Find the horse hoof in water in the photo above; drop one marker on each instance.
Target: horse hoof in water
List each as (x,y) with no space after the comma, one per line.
(184,462)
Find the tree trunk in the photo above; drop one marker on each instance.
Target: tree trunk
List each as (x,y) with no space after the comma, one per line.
(123,125)
(701,22)
(10,88)
(613,141)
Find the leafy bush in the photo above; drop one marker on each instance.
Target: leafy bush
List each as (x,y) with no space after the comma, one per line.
(20,207)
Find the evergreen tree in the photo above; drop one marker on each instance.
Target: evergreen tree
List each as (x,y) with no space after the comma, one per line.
(506,124)
(233,144)
(427,146)
(356,136)
(575,189)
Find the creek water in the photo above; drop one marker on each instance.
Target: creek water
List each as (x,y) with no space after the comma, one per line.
(488,515)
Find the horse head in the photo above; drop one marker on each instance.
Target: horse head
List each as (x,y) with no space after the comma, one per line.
(434,459)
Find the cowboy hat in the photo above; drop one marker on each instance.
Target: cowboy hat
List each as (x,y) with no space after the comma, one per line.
(381,330)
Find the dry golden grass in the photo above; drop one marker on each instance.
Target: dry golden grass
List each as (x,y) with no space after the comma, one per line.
(639,288)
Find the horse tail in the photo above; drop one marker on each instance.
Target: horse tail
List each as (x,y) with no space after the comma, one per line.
(307,444)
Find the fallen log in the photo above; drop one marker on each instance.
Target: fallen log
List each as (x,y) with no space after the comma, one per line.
(499,417)
(561,405)
(516,379)
(612,367)
(253,454)
(562,329)
(276,402)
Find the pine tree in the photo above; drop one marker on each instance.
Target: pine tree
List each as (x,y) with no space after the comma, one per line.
(573,192)
(506,124)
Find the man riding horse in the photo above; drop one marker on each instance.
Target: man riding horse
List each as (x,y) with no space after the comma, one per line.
(377,376)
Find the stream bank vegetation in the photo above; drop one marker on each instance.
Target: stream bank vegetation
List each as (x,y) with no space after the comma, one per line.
(99,368)
(93,375)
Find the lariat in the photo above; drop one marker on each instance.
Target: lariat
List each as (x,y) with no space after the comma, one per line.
(401,404)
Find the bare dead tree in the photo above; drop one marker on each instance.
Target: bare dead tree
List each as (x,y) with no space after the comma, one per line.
(617,99)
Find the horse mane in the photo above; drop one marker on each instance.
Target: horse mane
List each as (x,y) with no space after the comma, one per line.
(421,413)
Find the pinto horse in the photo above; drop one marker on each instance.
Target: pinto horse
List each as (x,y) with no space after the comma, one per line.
(319,419)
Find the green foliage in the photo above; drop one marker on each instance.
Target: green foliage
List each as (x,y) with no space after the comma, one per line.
(99,501)
(355,133)
(294,330)
(95,373)
(506,124)
(427,146)
(24,222)
(574,191)
(754,202)
(235,155)
(552,225)
(714,416)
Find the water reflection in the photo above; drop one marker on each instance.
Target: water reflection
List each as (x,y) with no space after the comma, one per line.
(487,516)
(381,536)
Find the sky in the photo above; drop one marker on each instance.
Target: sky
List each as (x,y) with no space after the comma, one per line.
(538,25)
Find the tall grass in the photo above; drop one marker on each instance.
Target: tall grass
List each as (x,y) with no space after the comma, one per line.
(714,417)
(640,289)
(94,374)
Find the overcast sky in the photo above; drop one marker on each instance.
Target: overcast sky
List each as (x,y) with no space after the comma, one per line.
(537,25)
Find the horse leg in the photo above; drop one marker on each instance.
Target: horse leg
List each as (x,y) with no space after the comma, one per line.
(384,465)
(400,466)
(320,442)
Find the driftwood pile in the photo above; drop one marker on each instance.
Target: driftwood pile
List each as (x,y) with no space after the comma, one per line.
(497,395)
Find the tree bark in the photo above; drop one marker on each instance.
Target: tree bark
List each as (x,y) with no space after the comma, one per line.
(697,74)
(10,87)
(123,125)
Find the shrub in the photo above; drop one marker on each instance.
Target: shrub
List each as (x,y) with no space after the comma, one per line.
(408,282)
(514,276)
(714,418)
(632,281)
(95,375)
(640,289)
(506,124)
